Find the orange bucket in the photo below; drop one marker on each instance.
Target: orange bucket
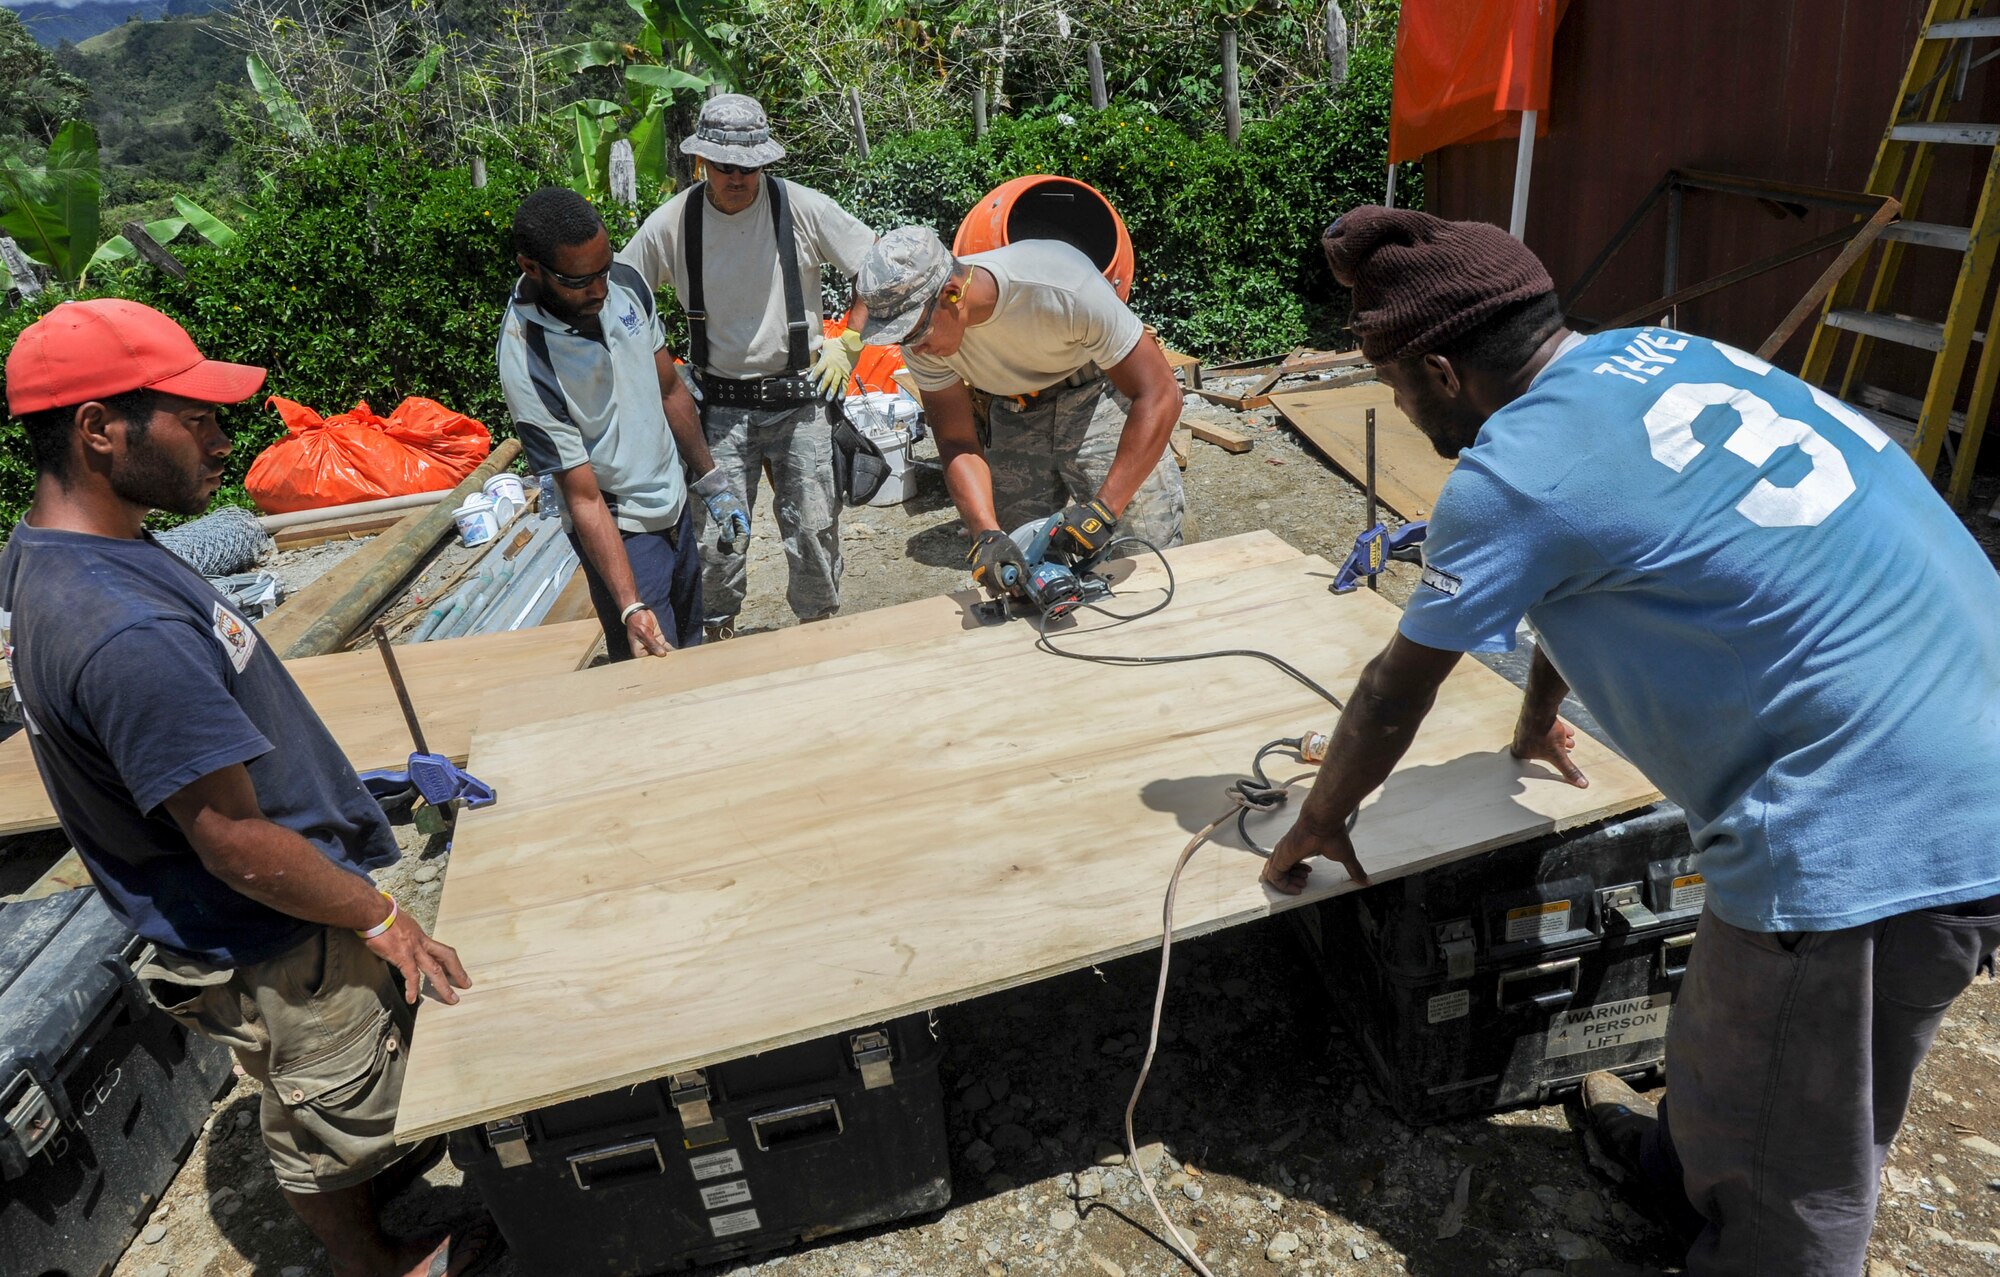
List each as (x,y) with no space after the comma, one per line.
(1040,206)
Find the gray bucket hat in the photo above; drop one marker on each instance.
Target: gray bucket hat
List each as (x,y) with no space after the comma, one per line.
(901,274)
(734,130)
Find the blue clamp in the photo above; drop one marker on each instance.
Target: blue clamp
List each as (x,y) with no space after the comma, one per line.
(1374,549)
(434,778)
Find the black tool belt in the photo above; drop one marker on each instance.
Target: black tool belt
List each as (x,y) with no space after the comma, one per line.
(782,391)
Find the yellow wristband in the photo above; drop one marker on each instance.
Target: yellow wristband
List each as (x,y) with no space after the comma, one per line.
(385,924)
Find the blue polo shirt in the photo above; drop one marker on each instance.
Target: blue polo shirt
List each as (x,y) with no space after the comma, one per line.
(1763,601)
(137,678)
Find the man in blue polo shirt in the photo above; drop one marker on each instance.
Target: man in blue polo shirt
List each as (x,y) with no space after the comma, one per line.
(1773,614)
(596,402)
(215,814)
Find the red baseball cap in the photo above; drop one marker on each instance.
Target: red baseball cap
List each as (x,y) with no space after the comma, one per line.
(88,350)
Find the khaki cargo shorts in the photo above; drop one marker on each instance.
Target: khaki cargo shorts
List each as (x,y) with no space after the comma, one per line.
(324,1028)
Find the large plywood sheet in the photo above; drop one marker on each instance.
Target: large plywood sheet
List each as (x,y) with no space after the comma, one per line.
(351,693)
(680,877)
(1409,473)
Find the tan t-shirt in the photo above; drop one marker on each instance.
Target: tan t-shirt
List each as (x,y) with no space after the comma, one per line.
(1055,315)
(742,286)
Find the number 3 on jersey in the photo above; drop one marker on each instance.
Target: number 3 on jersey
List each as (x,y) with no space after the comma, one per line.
(1759,434)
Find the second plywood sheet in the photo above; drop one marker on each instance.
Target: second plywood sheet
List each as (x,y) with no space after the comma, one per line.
(351,693)
(1409,473)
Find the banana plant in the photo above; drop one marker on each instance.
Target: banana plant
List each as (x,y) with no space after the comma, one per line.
(52,210)
(278,101)
(118,250)
(673,53)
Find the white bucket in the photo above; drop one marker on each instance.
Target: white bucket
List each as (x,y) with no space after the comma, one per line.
(509,497)
(891,422)
(478,522)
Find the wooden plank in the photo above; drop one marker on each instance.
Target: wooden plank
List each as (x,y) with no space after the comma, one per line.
(156,254)
(884,630)
(1235,403)
(1234,441)
(1409,473)
(331,529)
(1178,441)
(448,680)
(698,895)
(66,874)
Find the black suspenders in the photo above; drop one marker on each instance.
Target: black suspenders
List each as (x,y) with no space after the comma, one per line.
(797,330)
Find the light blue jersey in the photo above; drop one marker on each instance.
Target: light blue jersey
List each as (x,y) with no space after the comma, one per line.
(1764,603)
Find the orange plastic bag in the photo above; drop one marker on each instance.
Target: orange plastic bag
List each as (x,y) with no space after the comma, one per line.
(874,368)
(422,446)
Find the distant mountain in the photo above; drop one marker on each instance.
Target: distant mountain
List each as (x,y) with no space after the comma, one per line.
(53,23)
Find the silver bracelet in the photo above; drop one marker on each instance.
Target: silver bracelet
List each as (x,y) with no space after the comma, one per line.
(626,615)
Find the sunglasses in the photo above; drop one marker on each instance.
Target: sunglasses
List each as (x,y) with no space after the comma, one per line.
(577,282)
(735,170)
(924,321)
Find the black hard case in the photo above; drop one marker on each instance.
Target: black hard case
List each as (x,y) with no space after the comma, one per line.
(101,1095)
(811,1139)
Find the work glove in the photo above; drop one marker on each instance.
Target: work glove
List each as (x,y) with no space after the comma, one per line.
(997,565)
(723,507)
(1083,530)
(836,363)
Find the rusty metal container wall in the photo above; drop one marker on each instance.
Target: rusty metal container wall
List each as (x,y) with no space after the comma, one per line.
(1788,90)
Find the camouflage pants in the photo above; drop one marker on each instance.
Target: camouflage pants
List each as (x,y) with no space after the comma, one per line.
(1058,448)
(797,443)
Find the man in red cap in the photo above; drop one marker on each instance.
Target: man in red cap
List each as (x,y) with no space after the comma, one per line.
(1710,553)
(217,816)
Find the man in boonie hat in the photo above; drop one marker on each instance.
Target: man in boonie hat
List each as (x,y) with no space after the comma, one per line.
(218,818)
(743,251)
(1772,613)
(1083,400)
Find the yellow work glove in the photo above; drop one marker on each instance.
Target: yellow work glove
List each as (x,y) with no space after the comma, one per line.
(836,363)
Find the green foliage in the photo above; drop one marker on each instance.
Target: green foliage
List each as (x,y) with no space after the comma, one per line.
(36,95)
(672,54)
(1226,239)
(364,274)
(155,110)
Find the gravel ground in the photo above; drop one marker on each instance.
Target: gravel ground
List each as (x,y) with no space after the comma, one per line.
(1275,1149)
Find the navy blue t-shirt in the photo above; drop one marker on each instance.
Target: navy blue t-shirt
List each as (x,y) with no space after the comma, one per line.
(136,678)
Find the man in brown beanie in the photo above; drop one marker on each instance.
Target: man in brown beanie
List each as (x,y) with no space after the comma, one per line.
(1708,552)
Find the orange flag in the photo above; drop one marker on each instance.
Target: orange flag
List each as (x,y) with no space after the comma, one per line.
(1465,69)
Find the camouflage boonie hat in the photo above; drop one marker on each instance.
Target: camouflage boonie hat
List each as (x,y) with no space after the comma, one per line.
(734,130)
(899,277)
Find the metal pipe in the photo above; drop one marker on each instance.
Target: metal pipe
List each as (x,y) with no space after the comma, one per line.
(524,568)
(335,513)
(509,611)
(544,585)
(1524,163)
(557,584)
(489,585)
(450,609)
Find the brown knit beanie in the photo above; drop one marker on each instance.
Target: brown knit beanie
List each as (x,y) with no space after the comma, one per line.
(1420,281)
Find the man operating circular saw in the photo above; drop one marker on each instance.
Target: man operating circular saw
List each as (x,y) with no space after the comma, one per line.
(743,251)
(1083,401)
